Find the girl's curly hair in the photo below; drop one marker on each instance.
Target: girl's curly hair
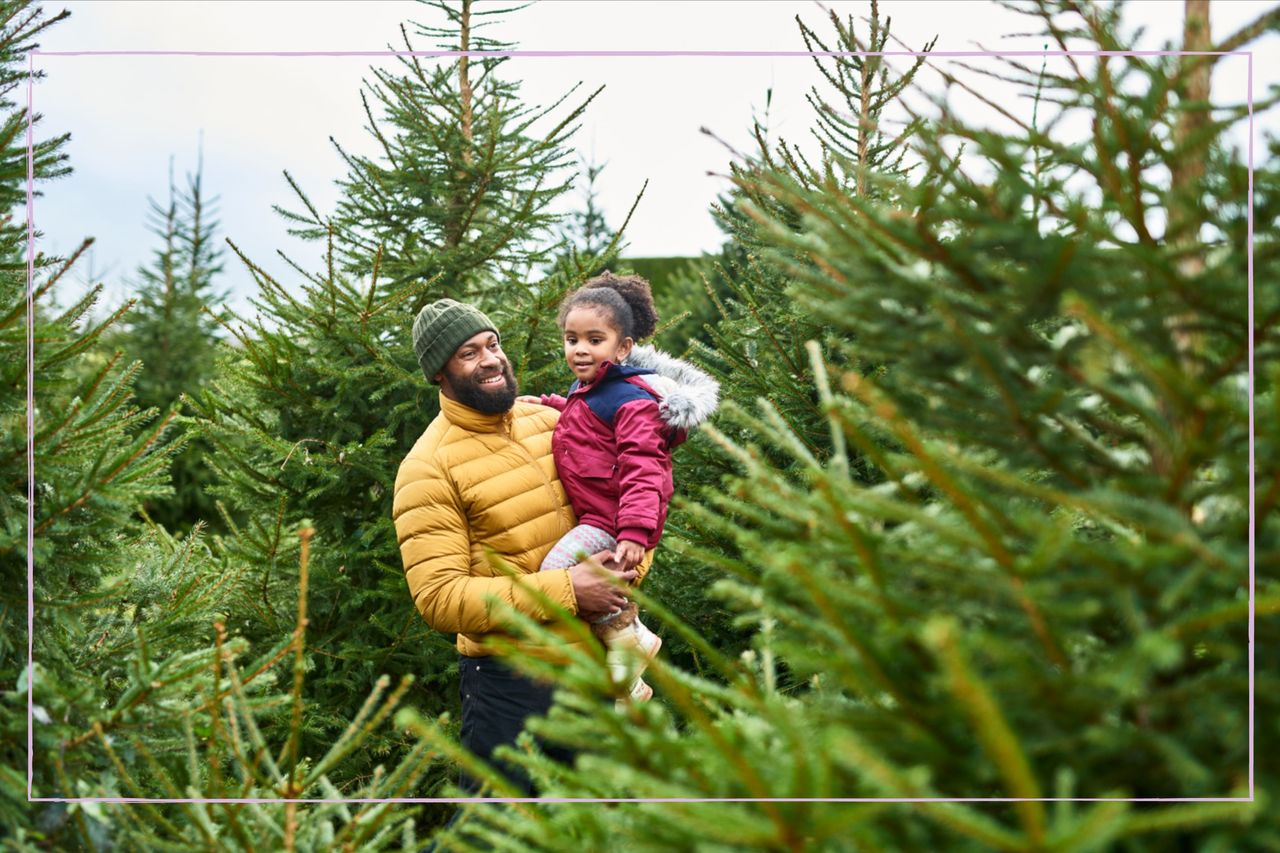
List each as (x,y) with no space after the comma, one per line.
(625,299)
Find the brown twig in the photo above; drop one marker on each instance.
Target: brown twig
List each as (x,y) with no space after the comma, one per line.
(299,669)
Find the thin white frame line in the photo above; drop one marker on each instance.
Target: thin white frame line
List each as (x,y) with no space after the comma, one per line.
(604,54)
(601,54)
(31,423)
(282,801)
(1252,463)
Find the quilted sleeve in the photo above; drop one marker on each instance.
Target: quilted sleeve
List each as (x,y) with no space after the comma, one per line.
(435,545)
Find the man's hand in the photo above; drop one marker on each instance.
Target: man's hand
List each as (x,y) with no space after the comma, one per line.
(628,554)
(529,398)
(596,594)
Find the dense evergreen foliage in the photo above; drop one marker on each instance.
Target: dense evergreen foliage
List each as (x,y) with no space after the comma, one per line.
(974,520)
(94,462)
(139,689)
(1009,557)
(21,24)
(753,331)
(320,395)
(172,329)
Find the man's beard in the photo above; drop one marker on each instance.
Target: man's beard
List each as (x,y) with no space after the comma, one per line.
(489,401)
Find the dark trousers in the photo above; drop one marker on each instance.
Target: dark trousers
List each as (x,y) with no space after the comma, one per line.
(496,701)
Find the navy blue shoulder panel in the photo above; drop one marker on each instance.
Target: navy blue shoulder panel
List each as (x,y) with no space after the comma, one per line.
(625,370)
(606,399)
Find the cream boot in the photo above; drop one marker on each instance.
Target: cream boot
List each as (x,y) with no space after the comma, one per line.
(630,648)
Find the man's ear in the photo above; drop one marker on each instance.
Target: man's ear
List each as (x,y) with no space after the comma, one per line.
(438,378)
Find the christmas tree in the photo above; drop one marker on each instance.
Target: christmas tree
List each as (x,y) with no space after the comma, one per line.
(466,173)
(172,330)
(754,333)
(96,457)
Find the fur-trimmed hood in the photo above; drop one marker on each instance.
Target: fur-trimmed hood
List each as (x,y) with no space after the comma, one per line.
(689,394)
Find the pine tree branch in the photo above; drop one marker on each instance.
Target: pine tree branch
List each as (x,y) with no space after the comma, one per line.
(123,772)
(1266,22)
(1008,395)
(885,776)
(464,83)
(962,501)
(990,724)
(140,449)
(86,340)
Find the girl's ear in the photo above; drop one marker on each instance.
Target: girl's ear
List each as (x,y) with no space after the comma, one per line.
(624,350)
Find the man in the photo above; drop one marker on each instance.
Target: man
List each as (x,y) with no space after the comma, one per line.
(480,479)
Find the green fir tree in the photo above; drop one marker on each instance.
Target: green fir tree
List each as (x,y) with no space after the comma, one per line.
(587,229)
(195,725)
(467,171)
(172,329)
(22,22)
(754,332)
(96,457)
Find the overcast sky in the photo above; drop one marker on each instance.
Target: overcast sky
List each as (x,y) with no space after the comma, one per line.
(257,116)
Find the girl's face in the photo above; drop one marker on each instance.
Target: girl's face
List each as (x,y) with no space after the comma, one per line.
(591,338)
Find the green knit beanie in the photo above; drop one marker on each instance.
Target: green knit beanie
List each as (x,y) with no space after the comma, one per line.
(440,328)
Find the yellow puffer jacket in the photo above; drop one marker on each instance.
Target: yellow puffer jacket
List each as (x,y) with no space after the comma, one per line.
(475,482)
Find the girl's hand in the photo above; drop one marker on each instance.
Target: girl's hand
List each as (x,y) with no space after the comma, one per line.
(529,398)
(628,555)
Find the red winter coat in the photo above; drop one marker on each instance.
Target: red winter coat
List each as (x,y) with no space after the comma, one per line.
(613,452)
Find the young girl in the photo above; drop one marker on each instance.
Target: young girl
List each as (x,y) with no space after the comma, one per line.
(627,408)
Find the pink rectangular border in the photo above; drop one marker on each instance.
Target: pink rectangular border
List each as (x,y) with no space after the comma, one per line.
(597,53)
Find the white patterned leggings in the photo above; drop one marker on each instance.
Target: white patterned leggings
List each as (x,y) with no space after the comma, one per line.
(583,539)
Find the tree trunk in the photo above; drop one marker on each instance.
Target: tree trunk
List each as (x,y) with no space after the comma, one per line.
(1185,210)
(464,81)
(457,201)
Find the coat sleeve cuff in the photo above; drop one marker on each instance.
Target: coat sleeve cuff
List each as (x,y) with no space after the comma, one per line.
(638,535)
(571,598)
